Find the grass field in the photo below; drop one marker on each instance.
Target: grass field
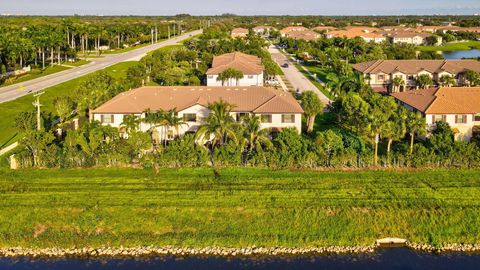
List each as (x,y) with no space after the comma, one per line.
(241,207)
(35,73)
(9,110)
(454,46)
(320,75)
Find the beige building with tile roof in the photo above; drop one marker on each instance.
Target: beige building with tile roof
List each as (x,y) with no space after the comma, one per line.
(288,30)
(250,65)
(411,37)
(276,108)
(369,34)
(380,73)
(458,106)
(239,33)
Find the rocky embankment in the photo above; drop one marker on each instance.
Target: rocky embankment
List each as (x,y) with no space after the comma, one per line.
(213,251)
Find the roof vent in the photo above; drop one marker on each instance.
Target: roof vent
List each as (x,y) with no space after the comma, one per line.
(174,89)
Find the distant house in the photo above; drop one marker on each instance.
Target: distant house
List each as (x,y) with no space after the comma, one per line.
(239,33)
(409,37)
(262,29)
(277,109)
(323,28)
(288,30)
(369,34)
(303,35)
(458,106)
(250,65)
(380,73)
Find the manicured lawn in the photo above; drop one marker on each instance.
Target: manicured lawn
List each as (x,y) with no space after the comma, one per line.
(9,110)
(320,75)
(78,63)
(456,46)
(35,73)
(241,207)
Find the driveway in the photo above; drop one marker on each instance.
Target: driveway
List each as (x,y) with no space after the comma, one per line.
(12,92)
(294,76)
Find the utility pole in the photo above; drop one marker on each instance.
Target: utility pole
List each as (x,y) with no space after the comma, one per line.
(156,33)
(174,31)
(168,31)
(151,35)
(37,104)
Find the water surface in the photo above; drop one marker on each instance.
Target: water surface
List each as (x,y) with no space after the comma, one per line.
(461,54)
(385,259)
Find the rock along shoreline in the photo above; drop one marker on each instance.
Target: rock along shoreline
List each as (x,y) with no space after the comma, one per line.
(146,251)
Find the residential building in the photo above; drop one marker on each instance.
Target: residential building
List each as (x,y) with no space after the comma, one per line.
(239,33)
(276,108)
(380,73)
(323,28)
(458,106)
(262,29)
(369,34)
(287,30)
(303,35)
(410,37)
(250,65)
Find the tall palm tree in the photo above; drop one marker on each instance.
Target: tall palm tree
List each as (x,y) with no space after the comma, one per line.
(130,123)
(228,74)
(254,135)
(170,119)
(415,125)
(397,82)
(219,125)
(447,80)
(154,119)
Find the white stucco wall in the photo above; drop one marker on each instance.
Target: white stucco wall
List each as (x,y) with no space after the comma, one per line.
(202,112)
(465,129)
(248,80)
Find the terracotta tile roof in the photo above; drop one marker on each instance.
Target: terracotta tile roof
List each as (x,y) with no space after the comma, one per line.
(262,27)
(353,33)
(443,100)
(305,35)
(248,64)
(415,66)
(408,34)
(289,29)
(239,32)
(254,99)
(324,28)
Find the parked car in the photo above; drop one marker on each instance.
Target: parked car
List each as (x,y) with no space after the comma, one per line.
(285,65)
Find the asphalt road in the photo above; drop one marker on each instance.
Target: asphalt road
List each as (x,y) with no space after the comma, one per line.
(13,91)
(294,76)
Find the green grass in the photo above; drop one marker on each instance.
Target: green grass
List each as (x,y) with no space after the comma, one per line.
(243,207)
(78,63)
(35,73)
(316,83)
(9,110)
(454,46)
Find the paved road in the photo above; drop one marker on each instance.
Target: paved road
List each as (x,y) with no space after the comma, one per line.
(12,92)
(294,76)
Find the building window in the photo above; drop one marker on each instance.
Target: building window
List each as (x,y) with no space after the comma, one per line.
(190,117)
(266,118)
(460,119)
(240,116)
(210,76)
(438,118)
(411,77)
(477,117)
(288,118)
(107,118)
(381,77)
(250,76)
(170,134)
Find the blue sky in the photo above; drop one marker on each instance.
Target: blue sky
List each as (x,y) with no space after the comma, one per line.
(241,7)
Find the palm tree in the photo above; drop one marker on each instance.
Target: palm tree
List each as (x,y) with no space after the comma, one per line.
(335,83)
(395,128)
(228,74)
(170,119)
(312,106)
(424,81)
(415,124)
(255,136)
(219,125)
(397,82)
(154,119)
(130,123)
(447,80)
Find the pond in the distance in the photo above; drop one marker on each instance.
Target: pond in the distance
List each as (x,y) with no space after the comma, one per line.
(461,54)
(384,259)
